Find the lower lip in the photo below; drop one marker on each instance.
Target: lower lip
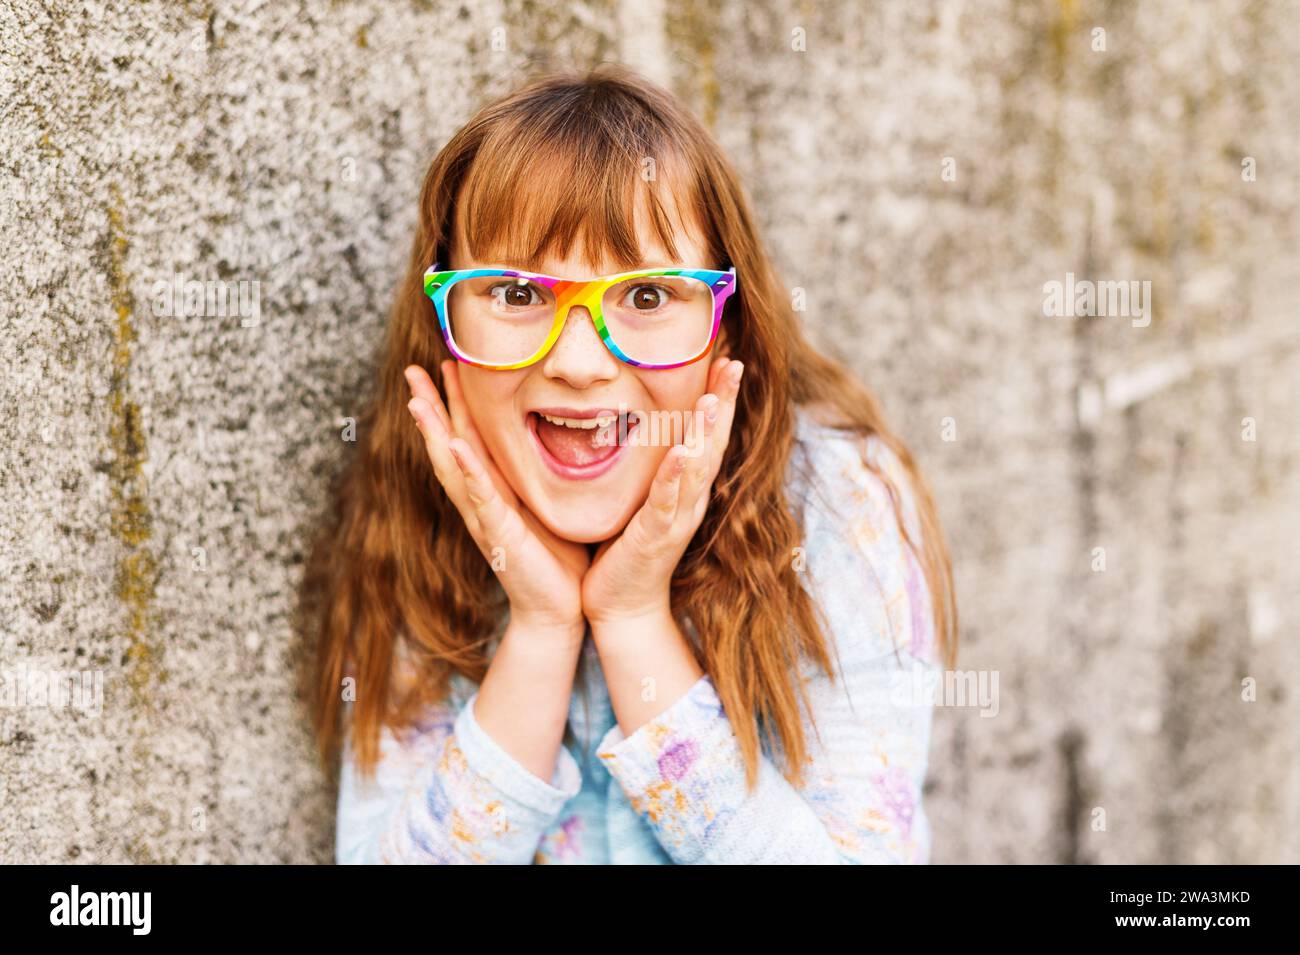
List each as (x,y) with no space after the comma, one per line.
(568,471)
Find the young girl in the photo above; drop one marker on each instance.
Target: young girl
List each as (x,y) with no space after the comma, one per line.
(623,571)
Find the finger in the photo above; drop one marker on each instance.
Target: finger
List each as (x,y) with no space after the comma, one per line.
(445,467)
(463,425)
(660,508)
(422,387)
(716,371)
(728,393)
(494,516)
(720,382)
(461,422)
(455,398)
(435,436)
(699,464)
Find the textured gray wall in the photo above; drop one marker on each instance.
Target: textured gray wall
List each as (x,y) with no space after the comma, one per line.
(161,470)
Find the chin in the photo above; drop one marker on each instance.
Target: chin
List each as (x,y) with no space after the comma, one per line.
(581,522)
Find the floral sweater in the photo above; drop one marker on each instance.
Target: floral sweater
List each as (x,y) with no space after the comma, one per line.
(674,791)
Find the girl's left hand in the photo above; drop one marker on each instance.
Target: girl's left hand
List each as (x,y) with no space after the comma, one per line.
(630,575)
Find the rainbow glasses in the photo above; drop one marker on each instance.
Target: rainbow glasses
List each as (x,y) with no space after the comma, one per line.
(504,319)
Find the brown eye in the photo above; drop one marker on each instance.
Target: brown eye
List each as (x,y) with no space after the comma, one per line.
(519,296)
(515,295)
(646,297)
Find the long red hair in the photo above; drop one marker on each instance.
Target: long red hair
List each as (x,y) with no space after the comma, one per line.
(564,159)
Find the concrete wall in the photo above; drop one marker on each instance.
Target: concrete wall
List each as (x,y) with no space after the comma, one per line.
(161,469)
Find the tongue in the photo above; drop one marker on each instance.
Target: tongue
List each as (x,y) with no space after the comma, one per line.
(574,446)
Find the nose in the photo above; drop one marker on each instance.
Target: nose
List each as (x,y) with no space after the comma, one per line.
(579,357)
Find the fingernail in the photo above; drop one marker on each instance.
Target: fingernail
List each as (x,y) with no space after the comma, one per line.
(711,408)
(737,370)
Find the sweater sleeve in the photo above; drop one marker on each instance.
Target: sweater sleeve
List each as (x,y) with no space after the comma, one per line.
(869,734)
(445,792)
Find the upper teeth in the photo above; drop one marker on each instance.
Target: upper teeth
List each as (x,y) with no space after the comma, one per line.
(585,424)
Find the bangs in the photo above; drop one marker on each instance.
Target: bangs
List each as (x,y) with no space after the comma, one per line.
(577,176)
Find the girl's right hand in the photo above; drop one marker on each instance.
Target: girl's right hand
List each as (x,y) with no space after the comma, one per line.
(541,573)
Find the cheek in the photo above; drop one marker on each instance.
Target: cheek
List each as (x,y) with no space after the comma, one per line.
(490,400)
(676,389)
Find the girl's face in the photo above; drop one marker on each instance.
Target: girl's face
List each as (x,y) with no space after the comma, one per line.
(579,492)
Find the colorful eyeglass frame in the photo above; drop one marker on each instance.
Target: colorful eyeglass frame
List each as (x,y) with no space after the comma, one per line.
(588,293)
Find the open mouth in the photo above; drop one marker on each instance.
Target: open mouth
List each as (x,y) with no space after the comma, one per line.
(581,444)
